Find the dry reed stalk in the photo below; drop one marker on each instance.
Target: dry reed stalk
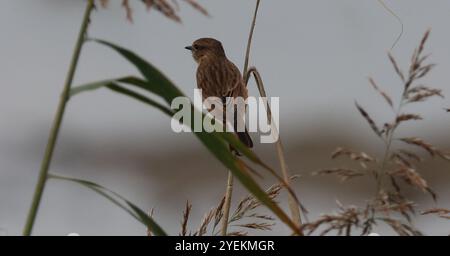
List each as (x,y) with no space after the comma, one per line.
(440,212)
(344,174)
(401,228)
(249,42)
(227,204)
(245,216)
(341,222)
(396,165)
(349,219)
(246,210)
(149,230)
(219,214)
(245,75)
(229,189)
(209,216)
(238,233)
(169,9)
(198,7)
(185,220)
(294,204)
(361,157)
(410,94)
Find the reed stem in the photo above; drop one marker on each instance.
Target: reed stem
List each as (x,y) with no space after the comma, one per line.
(293,206)
(45,165)
(295,211)
(229,190)
(227,204)
(249,43)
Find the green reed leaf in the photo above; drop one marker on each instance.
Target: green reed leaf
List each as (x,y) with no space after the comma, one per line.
(113,84)
(119,201)
(156,82)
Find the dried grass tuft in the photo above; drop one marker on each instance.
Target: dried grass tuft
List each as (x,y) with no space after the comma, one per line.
(397,165)
(342,222)
(344,174)
(401,228)
(184,222)
(413,178)
(361,157)
(440,212)
(245,216)
(381,92)
(209,216)
(368,119)
(169,9)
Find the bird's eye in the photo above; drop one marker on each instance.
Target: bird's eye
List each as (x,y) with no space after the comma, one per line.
(198,47)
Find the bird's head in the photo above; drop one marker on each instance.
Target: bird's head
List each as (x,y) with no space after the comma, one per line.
(206,47)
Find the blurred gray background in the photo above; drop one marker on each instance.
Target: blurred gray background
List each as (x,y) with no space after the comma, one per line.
(314,54)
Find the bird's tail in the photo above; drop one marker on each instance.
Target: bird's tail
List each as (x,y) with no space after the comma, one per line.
(245,138)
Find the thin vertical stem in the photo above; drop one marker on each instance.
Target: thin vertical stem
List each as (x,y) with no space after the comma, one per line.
(295,212)
(227,204)
(387,151)
(57,123)
(229,190)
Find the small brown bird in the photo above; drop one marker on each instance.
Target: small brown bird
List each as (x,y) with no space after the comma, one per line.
(219,77)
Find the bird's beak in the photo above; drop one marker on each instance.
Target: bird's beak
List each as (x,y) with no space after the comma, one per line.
(188,48)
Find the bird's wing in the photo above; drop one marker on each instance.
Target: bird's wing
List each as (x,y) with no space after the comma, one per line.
(222,80)
(237,91)
(234,81)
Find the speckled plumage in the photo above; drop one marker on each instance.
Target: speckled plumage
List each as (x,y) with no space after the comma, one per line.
(219,77)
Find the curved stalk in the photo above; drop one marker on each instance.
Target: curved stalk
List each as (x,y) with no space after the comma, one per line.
(293,206)
(249,43)
(295,212)
(390,11)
